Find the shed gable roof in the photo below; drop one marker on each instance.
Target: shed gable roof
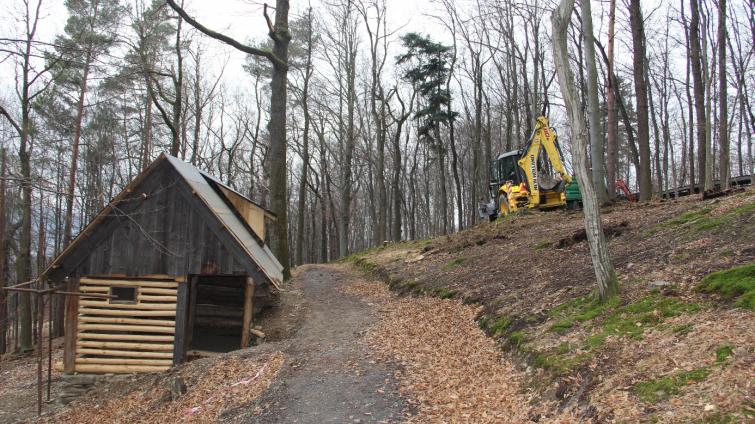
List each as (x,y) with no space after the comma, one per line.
(252,246)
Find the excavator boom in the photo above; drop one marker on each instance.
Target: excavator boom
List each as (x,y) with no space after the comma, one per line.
(534,177)
(543,140)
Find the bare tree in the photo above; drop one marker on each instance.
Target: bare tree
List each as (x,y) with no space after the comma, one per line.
(723,98)
(612,145)
(641,93)
(24,52)
(604,271)
(597,142)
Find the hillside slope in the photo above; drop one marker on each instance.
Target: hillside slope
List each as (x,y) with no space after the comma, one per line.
(665,351)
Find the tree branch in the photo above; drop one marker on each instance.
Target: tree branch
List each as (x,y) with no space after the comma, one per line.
(10,119)
(224,38)
(270,28)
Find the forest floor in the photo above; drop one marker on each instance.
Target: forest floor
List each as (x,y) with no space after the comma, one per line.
(664,351)
(493,324)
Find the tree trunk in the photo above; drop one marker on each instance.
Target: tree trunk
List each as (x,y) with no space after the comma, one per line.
(640,88)
(302,201)
(612,146)
(277,128)
(593,105)
(698,90)
(178,83)
(691,113)
(723,120)
(604,271)
(67,232)
(23,263)
(147,144)
(3,297)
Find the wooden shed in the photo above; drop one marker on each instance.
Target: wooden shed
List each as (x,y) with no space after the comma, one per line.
(182,257)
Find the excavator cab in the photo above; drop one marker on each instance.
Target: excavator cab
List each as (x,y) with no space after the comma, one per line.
(505,168)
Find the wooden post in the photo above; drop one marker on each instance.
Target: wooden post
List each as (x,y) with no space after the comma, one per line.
(71,327)
(192,308)
(179,341)
(248,309)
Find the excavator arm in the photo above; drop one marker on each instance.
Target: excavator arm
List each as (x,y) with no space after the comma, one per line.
(543,139)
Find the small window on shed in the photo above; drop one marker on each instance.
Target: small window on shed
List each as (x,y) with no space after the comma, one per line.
(123,294)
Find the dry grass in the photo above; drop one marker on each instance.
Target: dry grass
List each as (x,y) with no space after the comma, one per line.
(228,383)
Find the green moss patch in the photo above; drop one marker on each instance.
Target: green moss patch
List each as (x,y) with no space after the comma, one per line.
(442,293)
(454,263)
(632,319)
(735,283)
(654,391)
(681,329)
(688,217)
(701,220)
(723,353)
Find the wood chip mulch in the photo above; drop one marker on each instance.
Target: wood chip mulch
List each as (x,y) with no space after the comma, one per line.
(448,368)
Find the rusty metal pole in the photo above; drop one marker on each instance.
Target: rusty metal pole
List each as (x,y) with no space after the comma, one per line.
(49,343)
(40,318)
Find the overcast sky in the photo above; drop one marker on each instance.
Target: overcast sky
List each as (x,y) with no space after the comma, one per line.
(240,19)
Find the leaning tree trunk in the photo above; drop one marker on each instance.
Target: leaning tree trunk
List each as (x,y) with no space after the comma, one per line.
(604,271)
(593,106)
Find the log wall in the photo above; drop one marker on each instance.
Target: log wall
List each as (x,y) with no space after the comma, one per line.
(125,338)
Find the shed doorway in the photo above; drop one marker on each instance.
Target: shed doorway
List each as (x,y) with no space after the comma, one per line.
(216,313)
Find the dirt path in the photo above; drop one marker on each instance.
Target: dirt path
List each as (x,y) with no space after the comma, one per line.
(328,376)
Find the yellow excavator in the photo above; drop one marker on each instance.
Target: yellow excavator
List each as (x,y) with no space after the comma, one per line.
(531,178)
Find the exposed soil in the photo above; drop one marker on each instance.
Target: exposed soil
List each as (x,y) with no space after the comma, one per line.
(532,277)
(18,385)
(328,375)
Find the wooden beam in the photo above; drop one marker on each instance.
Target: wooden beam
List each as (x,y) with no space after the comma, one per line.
(125,353)
(142,306)
(138,321)
(248,309)
(147,298)
(123,282)
(120,369)
(131,328)
(132,337)
(126,345)
(128,313)
(124,361)
(70,329)
(150,290)
(94,289)
(179,344)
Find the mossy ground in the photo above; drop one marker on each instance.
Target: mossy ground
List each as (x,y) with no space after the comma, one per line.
(734,283)
(656,390)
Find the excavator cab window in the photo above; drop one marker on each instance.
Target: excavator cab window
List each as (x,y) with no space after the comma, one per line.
(509,169)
